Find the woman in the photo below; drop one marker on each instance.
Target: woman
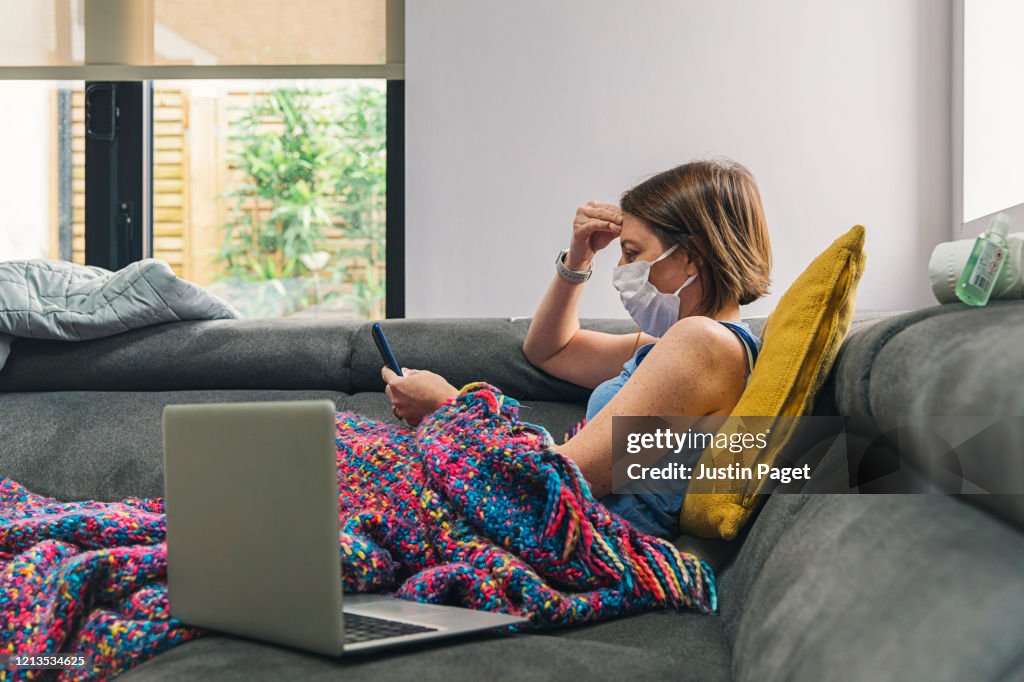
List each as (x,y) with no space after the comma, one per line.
(694,248)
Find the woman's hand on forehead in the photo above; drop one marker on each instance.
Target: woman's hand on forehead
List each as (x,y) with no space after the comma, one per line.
(594,227)
(603,211)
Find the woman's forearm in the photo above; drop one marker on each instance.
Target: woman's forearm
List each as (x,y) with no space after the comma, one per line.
(555,322)
(557,318)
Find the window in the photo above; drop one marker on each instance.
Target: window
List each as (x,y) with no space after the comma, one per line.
(258,151)
(992,135)
(272,193)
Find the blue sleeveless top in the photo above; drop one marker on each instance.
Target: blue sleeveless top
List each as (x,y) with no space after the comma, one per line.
(657,513)
(606,390)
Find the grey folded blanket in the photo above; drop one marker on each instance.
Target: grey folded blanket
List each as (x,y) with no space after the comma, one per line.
(51,299)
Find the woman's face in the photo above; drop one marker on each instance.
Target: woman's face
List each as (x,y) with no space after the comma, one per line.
(639,242)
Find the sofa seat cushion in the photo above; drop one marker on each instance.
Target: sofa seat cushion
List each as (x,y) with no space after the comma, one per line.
(876,587)
(71,446)
(657,645)
(79,447)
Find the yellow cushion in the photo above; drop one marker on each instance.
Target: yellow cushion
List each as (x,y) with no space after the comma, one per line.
(800,341)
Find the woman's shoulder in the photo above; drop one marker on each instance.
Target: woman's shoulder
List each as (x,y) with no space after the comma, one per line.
(707,336)
(699,326)
(707,354)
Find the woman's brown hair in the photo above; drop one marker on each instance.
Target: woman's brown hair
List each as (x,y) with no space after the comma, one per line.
(713,210)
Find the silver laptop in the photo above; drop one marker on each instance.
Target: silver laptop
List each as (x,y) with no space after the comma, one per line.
(252,534)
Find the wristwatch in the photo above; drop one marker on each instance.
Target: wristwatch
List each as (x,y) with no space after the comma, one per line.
(574,276)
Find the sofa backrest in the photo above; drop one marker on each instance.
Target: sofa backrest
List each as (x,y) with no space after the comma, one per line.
(81,420)
(277,354)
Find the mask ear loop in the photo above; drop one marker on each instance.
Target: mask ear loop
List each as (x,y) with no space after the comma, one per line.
(686,283)
(666,254)
(691,277)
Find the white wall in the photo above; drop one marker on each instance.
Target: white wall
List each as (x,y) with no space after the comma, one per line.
(517,112)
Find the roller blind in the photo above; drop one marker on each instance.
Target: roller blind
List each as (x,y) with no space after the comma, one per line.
(138,39)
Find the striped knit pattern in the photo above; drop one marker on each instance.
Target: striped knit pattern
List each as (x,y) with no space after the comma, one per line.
(473,509)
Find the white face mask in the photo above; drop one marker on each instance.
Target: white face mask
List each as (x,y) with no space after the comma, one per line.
(653,310)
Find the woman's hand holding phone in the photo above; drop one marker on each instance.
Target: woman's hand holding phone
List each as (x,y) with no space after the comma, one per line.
(595,226)
(415,394)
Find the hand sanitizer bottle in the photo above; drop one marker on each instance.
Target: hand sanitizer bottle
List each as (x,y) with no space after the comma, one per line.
(984,263)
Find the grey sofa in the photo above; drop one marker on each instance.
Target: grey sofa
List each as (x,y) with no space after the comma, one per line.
(837,587)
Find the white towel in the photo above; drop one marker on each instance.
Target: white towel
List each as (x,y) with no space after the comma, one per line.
(948,261)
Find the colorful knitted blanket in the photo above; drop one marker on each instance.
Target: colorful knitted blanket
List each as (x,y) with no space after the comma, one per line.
(473,508)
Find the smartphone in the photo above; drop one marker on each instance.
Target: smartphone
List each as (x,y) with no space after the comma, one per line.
(385,350)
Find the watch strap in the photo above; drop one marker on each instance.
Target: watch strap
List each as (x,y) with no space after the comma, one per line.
(574,276)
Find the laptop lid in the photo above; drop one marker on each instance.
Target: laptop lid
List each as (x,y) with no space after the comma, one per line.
(236,563)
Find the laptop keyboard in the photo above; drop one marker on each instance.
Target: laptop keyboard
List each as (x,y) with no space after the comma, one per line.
(366,628)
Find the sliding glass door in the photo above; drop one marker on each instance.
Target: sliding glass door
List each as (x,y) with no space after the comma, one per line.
(263,167)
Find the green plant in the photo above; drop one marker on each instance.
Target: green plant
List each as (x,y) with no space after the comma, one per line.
(313,166)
